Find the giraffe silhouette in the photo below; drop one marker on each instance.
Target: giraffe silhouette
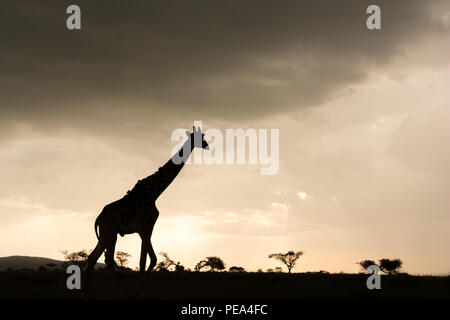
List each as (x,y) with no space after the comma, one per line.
(136,212)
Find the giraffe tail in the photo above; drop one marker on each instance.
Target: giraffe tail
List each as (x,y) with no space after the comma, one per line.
(97,221)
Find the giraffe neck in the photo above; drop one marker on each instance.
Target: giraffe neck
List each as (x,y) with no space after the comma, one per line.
(169,171)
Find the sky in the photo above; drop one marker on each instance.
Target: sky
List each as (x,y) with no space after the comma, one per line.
(362,114)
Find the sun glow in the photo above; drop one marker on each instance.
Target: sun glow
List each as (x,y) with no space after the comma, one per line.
(302,195)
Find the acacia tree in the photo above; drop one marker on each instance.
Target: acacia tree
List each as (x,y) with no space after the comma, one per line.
(179,267)
(122,258)
(166,263)
(236,269)
(200,265)
(78,257)
(364,264)
(214,263)
(390,266)
(289,259)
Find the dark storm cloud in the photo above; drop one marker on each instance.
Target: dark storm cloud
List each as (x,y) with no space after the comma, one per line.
(140,60)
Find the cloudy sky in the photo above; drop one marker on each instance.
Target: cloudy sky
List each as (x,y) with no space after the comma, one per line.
(363,118)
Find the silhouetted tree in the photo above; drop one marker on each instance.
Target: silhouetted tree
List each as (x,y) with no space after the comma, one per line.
(166,263)
(214,263)
(79,258)
(260,270)
(161,267)
(122,259)
(269,270)
(179,267)
(200,265)
(289,259)
(278,270)
(364,264)
(236,269)
(390,266)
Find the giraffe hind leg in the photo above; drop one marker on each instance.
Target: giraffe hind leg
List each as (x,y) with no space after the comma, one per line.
(92,260)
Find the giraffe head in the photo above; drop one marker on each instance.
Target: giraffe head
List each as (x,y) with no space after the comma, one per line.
(197,138)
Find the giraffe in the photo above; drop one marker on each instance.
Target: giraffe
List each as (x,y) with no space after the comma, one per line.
(136,212)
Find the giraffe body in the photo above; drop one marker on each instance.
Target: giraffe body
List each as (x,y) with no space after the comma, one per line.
(127,218)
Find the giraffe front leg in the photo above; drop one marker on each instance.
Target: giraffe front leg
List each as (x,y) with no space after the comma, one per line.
(146,248)
(152,255)
(143,260)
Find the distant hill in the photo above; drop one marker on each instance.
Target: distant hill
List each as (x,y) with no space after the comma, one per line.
(19,262)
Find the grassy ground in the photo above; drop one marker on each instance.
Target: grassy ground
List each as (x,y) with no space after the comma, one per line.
(208,285)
